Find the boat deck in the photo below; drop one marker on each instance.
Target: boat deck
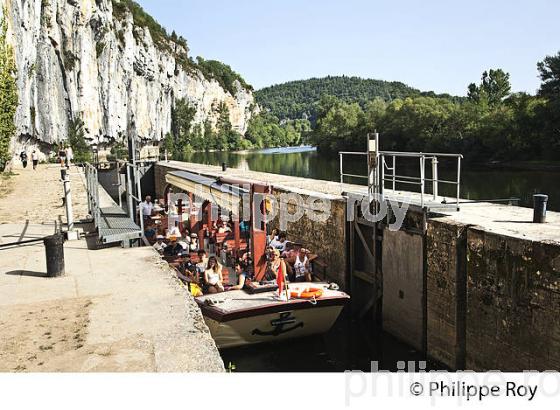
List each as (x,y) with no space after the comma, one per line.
(240,304)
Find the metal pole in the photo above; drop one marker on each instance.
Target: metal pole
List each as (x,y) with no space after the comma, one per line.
(96,191)
(341,169)
(139,194)
(458,182)
(394,173)
(422,180)
(382,177)
(129,193)
(68,201)
(435,183)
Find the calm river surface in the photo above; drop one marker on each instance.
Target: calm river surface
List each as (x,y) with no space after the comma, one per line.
(477,183)
(353,345)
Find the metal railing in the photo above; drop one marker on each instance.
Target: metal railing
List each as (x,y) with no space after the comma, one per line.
(388,178)
(92,184)
(132,171)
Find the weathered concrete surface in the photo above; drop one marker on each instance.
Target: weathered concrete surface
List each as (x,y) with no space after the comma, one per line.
(116,309)
(513,293)
(446,292)
(132,316)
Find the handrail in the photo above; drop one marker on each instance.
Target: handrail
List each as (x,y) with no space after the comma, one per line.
(387,172)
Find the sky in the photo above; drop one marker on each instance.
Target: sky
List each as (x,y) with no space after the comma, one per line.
(433,45)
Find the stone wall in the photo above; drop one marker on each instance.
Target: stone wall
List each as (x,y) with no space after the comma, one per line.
(513,318)
(326,239)
(446,292)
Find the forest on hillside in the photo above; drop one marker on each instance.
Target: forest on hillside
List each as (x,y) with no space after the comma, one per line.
(299,99)
(490,124)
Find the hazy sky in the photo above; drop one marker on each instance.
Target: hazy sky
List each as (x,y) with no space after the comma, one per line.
(440,45)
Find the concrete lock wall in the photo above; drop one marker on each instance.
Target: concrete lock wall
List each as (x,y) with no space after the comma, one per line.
(446,292)
(326,239)
(403,287)
(513,298)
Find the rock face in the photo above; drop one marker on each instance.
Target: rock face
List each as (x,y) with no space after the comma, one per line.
(78,59)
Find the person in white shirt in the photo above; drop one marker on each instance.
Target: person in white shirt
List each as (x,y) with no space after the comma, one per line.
(175,231)
(69,157)
(35,159)
(160,245)
(147,207)
(280,243)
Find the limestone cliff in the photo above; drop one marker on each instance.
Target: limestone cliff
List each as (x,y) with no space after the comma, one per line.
(83,59)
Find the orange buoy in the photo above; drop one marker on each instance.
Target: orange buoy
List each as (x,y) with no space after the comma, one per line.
(307,293)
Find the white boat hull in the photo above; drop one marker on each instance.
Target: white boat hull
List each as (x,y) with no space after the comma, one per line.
(273,327)
(238,318)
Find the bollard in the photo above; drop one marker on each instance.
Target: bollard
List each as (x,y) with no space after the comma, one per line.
(541,202)
(224,166)
(54,249)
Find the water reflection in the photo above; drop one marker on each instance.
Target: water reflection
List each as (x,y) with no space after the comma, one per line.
(477,183)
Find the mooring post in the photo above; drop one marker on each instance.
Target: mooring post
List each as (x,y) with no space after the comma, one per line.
(54,250)
(540,205)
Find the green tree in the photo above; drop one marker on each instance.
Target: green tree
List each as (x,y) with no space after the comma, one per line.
(493,89)
(8,93)
(549,71)
(76,139)
(180,140)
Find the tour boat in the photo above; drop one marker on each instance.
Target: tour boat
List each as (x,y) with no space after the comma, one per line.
(260,314)
(239,318)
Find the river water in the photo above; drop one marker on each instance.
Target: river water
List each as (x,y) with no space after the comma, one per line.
(353,344)
(477,183)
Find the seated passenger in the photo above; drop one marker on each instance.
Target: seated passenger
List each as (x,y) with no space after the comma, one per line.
(160,245)
(202,264)
(150,231)
(243,276)
(194,243)
(190,270)
(280,243)
(175,231)
(246,260)
(302,267)
(277,265)
(213,277)
(174,248)
(272,237)
(188,273)
(224,228)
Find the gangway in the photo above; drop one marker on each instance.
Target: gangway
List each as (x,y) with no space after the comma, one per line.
(112,222)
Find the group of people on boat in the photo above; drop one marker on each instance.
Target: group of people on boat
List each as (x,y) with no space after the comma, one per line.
(206,266)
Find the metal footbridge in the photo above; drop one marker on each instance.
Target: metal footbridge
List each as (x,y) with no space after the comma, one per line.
(112,222)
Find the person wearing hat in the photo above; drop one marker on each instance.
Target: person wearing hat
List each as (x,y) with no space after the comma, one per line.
(160,245)
(174,248)
(194,242)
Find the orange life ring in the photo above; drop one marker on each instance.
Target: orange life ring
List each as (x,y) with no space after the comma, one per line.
(308,293)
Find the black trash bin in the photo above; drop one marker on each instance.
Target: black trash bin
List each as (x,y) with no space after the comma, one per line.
(541,202)
(54,249)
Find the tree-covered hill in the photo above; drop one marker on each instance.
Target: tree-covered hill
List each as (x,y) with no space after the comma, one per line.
(299,99)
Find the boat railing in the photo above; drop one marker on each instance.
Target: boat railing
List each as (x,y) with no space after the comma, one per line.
(389,177)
